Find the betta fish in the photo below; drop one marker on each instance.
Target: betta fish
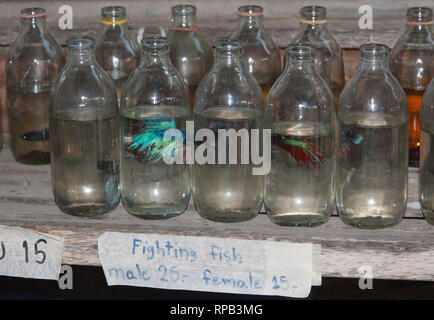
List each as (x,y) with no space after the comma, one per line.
(304,151)
(150,141)
(111,188)
(41,135)
(348,137)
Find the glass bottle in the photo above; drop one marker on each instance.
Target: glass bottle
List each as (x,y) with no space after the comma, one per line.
(328,55)
(155,99)
(84,134)
(32,65)
(372,153)
(228,97)
(190,52)
(411,62)
(116,50)
(299,190)
(261,56)
(427,154)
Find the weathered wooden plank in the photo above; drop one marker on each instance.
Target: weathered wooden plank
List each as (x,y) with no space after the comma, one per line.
(405,251)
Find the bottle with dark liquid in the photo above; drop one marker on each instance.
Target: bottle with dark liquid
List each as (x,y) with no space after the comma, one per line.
(190,52)
(228,99)
(299,190)
(372,151)
(115,49)
(155,100)
(426,175)
(261,56)
(32,65)
(411,62)
(328,55)
(84,134)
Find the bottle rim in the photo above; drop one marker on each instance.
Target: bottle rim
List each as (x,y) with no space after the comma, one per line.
(299,51)
(251,11)
(80,42)
(184,10)
(419,15)
(31,13)
(373,50)
(113,15)
(313,14)
(228,45)
(155,43)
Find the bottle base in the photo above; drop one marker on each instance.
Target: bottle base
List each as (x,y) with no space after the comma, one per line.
(371,222)
(33,158)
(154,212)
(299,219)
(227,216)
(86,210)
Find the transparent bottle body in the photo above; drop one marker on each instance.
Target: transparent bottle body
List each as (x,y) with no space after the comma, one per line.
(85,166)
(411,63)
(227,192)
(372,152)
(299,190)
(372,174)
(155,99)
(261,56)
(84,131)
(190,52)
(116,51)
(227,98)
(426,173)
(33,63)
(328,54)
(151,188)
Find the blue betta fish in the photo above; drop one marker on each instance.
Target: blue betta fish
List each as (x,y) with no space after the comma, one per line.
(150,140)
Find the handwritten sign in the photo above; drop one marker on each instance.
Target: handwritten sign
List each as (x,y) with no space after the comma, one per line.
(209,264)
(26,253)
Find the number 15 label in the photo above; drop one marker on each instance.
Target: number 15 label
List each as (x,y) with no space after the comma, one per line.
(29,254)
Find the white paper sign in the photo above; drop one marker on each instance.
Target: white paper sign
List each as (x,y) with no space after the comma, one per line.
(208,264)
(26,253)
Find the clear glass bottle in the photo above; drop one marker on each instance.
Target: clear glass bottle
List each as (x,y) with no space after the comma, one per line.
(32,65)
(84,134)
(427,154)
(190,52)
(116,50)
(411,62)
(261,56)
(155,99)
(228,97)
(299,190)
(328,55)
(372,153)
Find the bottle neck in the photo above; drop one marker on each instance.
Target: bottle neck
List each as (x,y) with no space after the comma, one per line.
(419,27)
(184,17)
(33,24)
(81,56)
(250,22)
(315,26)
(373,57)
(299,58)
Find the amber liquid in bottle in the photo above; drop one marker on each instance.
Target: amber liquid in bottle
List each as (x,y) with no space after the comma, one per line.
(414,100)
(265,88)
(192,90)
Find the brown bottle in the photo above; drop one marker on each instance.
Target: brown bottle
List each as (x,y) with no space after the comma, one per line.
(32,65)
(411,62)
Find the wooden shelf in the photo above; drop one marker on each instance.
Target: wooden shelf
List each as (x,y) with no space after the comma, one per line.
(405,251)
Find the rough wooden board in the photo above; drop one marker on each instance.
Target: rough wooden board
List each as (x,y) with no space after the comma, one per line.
(405,251)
